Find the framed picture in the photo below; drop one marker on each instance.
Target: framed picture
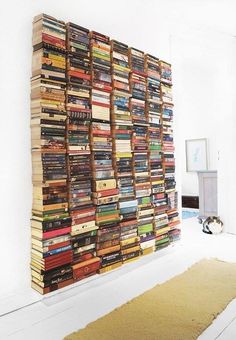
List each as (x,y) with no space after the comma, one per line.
(196,154)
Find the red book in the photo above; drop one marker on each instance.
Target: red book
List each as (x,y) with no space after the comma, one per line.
(58,245)
(58,263)
(100,104)
(169,163)
(83,258)
(101,132)
(137,81)
(139,73)
(109,192)
(80,212)
(79,75)
(83,220)
(159,196)
(123,131)
(53,40)
(57,232)
(57,257)
(128,223)
(99,86)
(82,270)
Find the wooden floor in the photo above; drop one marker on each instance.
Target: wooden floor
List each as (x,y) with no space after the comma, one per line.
(53,317)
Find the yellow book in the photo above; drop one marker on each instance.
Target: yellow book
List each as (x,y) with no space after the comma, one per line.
(109,268)
(129,241)
(130,250)
(123,155)
(121,68)
(105,184)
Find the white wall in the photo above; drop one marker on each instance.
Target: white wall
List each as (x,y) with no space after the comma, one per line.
(15,170)
(137,23)
(205,102)
(199,92)
(227,142)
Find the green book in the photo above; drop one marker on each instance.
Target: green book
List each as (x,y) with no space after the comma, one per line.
(147,228)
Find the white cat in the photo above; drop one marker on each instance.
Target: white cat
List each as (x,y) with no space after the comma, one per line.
(212,225)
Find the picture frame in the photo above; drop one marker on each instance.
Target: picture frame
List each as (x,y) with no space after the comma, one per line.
(196,155)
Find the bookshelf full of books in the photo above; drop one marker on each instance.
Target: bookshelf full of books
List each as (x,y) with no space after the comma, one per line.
(103,164)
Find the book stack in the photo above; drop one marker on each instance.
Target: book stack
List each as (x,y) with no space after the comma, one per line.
(173,216)
(166,73)
(51,254)
(105,191)
(78,105)
(105,197)
(168,149)
(162,229)
(154,113)
(166,82)
(122,152)
(138,86)
(174,235)
(140,147)
(101,76)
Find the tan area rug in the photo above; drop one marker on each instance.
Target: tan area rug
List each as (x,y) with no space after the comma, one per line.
(179,309)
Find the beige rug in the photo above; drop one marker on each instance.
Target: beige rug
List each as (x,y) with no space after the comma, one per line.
(180,309)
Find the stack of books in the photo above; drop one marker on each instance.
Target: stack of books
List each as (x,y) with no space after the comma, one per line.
(174,234)
(122,151)
(166,82)
(140,147)
(166,73)
(161,231)
(138,86)
(152,69)
(173,216)
(154,113)
(105,197)
(168,150)
(101,76)
(105,191)
(51,224)
(78,105)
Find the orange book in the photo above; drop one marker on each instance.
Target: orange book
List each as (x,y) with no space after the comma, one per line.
(79,74)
